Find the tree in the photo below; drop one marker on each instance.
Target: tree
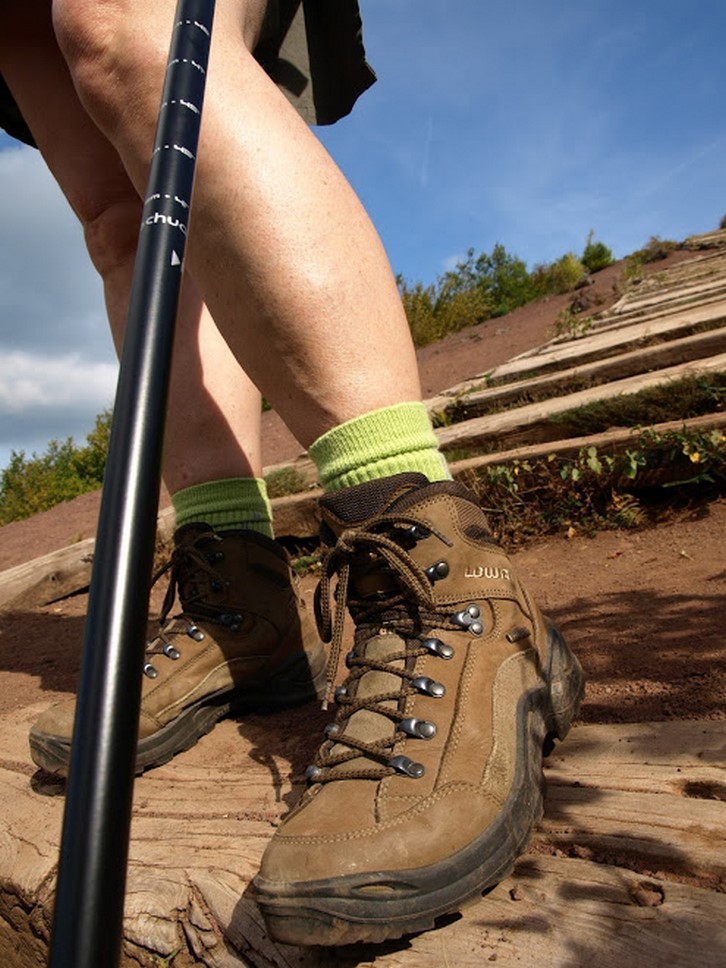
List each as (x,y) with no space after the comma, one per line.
(29,485)
(596,255)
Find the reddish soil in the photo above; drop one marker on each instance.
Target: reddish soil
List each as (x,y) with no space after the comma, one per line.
(644,610)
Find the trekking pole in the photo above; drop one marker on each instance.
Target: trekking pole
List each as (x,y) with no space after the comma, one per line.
(88,919)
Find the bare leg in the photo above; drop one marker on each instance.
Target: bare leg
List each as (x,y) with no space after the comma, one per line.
(276,228)
(213,422)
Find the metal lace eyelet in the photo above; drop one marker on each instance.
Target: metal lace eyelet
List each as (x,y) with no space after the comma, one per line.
(437,571)
(468,618)
(232,621)
(312,773)
(340,692)
(416,532)
(170,652)
(194,632)
(150,671)
(406,766)
(349,658)
(332,729)
(421,728)
(437,647)
(429,686)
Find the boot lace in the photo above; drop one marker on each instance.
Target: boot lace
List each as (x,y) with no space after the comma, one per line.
(406,609)
(192,569)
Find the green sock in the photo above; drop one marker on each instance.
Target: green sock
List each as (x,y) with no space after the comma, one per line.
(378,444)
(235,503)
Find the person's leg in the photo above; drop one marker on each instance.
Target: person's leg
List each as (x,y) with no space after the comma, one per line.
(213,421)
(276,227)
(244,638)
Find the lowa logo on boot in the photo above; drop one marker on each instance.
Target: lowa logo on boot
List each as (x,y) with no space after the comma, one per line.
(487,571)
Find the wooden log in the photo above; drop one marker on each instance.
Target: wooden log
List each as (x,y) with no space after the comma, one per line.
(601,344)
(663,323)
(694,271)
(608,442)
(558,355)
(533,423)
(68,571)
(677,292)
(626,867)
(706,240)
(677,296)
(49,578)
(477,402)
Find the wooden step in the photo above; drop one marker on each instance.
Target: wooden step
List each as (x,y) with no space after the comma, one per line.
(706,240)
(609,442)
(610,340)
(533,423)
(473,403)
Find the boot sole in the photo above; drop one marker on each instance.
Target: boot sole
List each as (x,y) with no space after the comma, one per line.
(292,686)
(384,905)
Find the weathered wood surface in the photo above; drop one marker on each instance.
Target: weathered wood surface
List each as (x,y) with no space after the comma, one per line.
(532,423)
(680,289)
(604,342)
(608,442)
(476,402)
(706,240)
(67,571)
(628,866)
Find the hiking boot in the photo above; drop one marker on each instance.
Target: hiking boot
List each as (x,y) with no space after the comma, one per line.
(244,642)
(430,780)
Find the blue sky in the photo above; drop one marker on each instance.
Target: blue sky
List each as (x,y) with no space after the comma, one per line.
(525,122)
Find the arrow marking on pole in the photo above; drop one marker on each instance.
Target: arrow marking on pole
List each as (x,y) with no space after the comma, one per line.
(175,260)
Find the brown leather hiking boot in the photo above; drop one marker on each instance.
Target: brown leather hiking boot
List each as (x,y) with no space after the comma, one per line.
(244,641)
(430,780)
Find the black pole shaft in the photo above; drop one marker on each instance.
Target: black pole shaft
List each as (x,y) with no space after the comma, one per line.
(88,920)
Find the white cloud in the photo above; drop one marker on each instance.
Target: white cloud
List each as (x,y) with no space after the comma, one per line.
(57,363)
(31,380)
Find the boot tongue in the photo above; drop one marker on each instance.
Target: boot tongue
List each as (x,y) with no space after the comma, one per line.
(188,534)
(366,724)
(355,505)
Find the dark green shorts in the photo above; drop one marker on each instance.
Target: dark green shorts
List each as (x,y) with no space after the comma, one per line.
(312,49)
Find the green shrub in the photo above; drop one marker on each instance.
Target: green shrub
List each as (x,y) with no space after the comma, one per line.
(285,480)
(654,250)
(596,255)
(435,311)
(559,276)
(593,490)
(418,303)
(509,283)
(488,285)
(34,484)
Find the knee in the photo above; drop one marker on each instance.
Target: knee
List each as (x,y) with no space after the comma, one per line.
(111,233)
(115,50)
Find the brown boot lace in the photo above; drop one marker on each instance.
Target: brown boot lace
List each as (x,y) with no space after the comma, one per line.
(402,604)
(192,573)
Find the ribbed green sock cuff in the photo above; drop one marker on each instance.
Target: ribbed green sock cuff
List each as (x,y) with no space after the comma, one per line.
(378,444)
(236,503)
